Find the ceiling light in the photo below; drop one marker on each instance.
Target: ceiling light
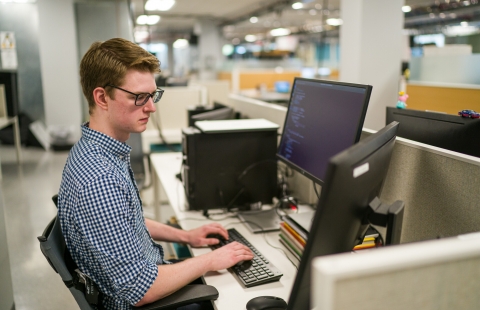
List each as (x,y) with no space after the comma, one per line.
(313,12)
(431,15)
(406,8)
(334,21)
(159,5)
(180,43)
(280,32)
(297,6)
(142,20)
(466,3)
(452,15)
(253,19)
(442,15)
(250,38)
(464,24)
(148,19)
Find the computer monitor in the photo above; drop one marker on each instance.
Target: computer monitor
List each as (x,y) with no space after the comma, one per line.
(451,132)
(353,183)
(323,119)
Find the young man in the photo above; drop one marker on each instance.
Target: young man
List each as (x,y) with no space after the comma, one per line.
(99,204)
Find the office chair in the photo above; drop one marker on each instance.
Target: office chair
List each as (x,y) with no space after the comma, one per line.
(55,251)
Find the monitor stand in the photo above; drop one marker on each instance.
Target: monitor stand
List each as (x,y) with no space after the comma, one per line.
(389,216)
(261,220)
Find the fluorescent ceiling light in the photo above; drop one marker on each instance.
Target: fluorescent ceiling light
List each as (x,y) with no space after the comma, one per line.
(460,30)
(148,19)
(464,24)
(253,19)
(280,32)
(334,21)
(180,43)
(159,5)
(297,6)
(250,38)
(406,8)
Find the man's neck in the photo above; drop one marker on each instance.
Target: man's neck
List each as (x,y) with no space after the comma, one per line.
(101,126)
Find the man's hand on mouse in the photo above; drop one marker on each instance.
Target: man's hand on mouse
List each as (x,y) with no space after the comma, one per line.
(198,237)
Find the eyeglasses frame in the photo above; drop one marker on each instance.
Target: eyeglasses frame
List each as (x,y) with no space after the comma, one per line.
(149,95)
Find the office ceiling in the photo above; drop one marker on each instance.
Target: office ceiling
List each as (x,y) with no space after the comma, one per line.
(233,16)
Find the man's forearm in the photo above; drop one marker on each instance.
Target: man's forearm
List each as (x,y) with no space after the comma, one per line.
(163,232)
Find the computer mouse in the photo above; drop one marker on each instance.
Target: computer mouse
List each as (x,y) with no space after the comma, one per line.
(216,236)
(266,303)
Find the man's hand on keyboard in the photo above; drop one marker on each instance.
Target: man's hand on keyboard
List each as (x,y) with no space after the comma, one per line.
(229,255)
(200,236)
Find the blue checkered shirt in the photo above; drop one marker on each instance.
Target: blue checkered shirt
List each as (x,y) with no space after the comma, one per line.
(101,217)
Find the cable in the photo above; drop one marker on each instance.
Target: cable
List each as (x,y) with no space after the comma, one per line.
(316,191)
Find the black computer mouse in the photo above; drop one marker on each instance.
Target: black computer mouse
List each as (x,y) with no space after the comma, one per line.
(266,303)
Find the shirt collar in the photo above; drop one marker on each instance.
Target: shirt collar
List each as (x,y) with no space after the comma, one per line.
(108,143)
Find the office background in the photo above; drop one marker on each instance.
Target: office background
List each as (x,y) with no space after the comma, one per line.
(368,47)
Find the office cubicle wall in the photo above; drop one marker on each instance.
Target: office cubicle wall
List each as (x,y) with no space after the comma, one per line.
(440,188)
(171,115)
(430,275)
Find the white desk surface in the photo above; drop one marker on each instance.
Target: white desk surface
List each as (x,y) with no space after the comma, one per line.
(232,294)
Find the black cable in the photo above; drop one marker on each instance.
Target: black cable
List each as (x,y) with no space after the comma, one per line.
(316,191)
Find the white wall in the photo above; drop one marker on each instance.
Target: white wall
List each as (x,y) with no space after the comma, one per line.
(57,39)
(371,51)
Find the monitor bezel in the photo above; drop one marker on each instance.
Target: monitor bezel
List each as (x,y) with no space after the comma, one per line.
(366,99)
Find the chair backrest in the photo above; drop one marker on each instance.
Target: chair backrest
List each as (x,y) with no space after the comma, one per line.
(54,248)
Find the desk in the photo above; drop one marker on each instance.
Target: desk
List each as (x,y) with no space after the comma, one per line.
(232,294)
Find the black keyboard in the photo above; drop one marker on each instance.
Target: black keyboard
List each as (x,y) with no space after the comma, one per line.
(255,272)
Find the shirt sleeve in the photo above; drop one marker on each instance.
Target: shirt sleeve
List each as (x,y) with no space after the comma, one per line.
(108,221)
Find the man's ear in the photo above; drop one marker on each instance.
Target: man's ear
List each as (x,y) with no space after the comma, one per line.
(101,98)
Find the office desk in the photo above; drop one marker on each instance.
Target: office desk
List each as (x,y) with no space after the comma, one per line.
(265,95)
(7,121)
(232,294)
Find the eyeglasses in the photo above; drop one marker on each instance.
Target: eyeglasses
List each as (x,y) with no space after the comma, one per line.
(142,98)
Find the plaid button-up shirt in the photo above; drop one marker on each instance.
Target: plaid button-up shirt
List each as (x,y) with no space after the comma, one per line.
(102,220)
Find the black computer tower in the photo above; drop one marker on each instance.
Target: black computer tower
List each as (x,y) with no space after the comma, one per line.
(229,169)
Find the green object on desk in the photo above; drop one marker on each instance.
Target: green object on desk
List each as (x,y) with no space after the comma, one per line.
(181,250)
(162,148)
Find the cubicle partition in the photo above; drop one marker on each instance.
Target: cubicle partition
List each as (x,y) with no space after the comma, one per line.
(440,188)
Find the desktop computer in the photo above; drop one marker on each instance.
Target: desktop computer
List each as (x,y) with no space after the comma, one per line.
(229,163)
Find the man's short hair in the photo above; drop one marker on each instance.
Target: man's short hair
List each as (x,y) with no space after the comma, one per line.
(108,62)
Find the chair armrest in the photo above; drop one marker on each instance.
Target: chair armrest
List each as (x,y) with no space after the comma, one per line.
(186,295)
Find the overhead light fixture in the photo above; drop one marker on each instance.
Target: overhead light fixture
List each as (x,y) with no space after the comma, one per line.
(250,38)
(466,3)
(280,32)
(442,15)
(253,19)
(464,24)
(148,19)
(297,6)
(180,43)
(159,5)
(334,21)
(406,8)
